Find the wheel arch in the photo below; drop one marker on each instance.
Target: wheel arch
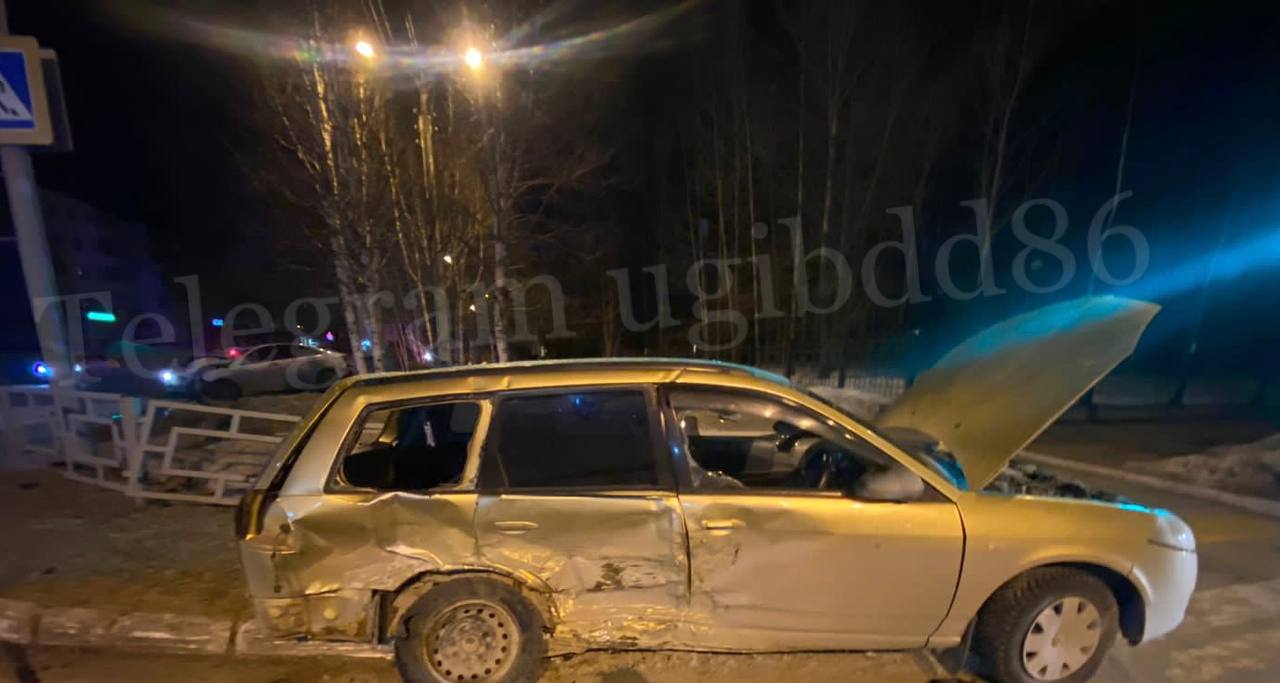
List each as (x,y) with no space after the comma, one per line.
(1129,599)
(202,383)
(394,603)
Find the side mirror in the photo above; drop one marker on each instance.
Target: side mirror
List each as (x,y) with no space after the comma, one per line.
(897,484)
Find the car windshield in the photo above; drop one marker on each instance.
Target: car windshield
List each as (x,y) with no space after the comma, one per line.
(922,447)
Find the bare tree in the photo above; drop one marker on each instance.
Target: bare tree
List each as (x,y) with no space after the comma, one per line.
(327,115)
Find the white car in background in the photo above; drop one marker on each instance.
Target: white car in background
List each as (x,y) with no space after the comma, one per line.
(269,368)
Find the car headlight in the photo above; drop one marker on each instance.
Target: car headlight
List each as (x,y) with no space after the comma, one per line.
(168,377)
(1173,533)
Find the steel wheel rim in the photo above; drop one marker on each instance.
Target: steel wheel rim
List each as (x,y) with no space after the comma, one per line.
(1062,639)
(476,640)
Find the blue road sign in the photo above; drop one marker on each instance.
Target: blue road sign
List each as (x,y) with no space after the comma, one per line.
(24,113)
(15,92)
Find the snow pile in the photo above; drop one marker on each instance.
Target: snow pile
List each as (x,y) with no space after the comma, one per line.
(1250,468)
(863,405)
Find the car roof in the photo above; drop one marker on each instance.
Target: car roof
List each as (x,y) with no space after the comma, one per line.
(550,370)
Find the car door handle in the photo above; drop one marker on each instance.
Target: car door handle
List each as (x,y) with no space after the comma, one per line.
(515,526)
(722,524)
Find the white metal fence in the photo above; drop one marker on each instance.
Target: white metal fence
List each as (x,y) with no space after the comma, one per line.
(155,448)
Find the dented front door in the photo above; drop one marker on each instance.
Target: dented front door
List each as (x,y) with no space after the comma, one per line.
(820,570)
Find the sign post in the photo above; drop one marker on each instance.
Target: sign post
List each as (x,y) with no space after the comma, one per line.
(24,120)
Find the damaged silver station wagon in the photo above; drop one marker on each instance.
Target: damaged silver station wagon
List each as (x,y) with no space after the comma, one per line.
(480,518)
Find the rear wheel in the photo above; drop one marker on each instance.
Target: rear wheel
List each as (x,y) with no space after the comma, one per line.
(1050,624)
(220,391)
(471,629)
(326,376)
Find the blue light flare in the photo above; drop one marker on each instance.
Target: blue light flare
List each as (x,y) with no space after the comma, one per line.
(1220,265)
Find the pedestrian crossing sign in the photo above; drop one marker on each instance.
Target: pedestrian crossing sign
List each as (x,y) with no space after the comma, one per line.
(24,109)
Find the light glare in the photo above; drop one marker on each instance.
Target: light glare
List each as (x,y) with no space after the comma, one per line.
(365,49)
(473,58)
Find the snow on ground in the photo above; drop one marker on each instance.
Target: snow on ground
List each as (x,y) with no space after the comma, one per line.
(288,404)
(1249,468)
(70,544)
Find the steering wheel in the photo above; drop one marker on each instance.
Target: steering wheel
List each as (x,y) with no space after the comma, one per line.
(818,466)
(788,436)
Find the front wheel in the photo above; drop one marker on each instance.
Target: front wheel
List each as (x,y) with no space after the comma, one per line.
(471,629)
(1050,624)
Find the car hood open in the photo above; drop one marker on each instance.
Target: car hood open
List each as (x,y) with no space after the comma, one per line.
(992,395)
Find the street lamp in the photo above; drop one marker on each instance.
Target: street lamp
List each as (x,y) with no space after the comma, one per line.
(473,59)
(448,258)
(365,49)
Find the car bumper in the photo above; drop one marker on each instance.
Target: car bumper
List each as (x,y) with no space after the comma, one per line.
(1167,578)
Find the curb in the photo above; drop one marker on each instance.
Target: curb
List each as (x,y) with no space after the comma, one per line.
(26,623)
(1261,506)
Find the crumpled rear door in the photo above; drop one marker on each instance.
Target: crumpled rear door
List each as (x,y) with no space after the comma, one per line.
(576,495)
(615,562)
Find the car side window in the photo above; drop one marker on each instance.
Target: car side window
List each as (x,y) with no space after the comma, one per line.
(261,355)
(744,440)
(412,448)
(572,439)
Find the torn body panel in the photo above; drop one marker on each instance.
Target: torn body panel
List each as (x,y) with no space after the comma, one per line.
(344,615)
(615,563)
(613,568)
(331,550)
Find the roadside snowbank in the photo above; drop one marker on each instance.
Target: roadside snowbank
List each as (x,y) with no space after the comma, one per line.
(1249,468)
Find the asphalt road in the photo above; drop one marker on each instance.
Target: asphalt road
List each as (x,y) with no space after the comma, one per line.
(1231,635)
(1232,629)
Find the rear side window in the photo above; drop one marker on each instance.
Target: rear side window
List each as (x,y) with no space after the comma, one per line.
(262,355)
(412,448)
(573,439)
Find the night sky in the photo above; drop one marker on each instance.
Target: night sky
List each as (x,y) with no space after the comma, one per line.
(164,134)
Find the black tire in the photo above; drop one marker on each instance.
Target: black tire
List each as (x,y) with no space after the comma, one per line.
(325,376)
(1005,622)
(435,613)
(220,391)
